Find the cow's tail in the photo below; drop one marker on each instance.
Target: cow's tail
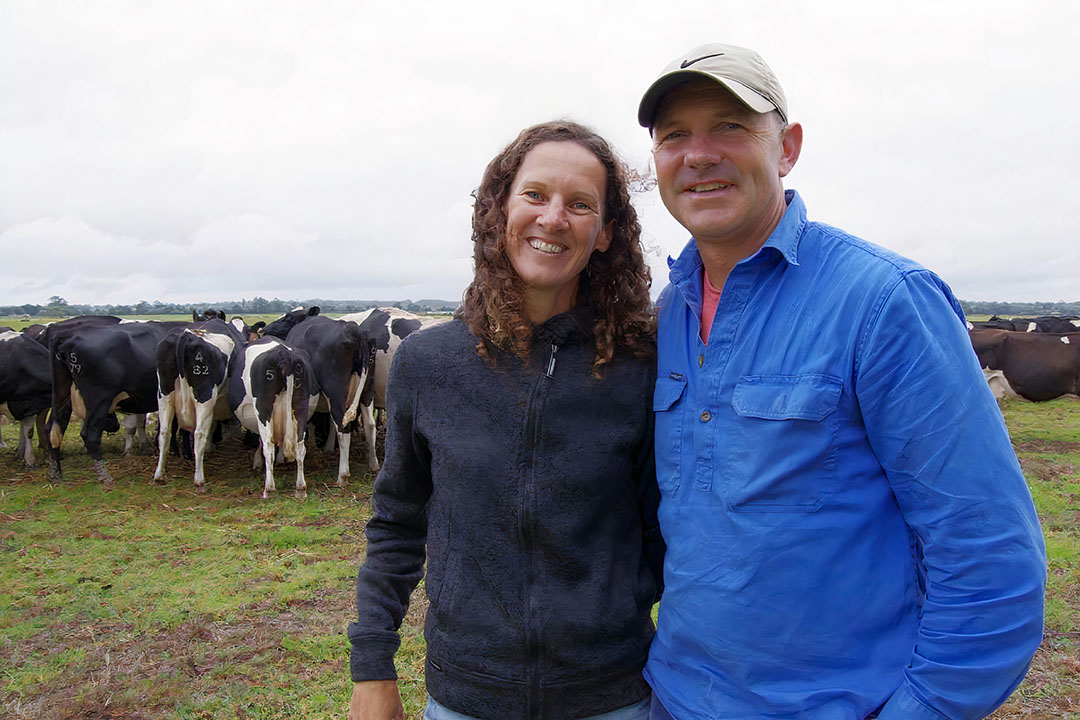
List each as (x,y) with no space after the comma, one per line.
(283,417)
(60,412)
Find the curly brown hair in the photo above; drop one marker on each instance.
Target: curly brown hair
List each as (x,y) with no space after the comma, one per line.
(614,285)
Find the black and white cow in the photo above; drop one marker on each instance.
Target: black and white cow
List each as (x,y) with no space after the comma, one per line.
(25,388)
(281,327)
(1060,324)
(400,324)
(1036,366)
(342,357)
(272,392)
(99,368)
(34,331)
(197,316)
(193,368)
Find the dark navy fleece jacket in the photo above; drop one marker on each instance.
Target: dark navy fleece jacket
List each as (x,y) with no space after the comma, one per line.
(532,486)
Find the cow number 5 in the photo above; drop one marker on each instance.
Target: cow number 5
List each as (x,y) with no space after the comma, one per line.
(270,375)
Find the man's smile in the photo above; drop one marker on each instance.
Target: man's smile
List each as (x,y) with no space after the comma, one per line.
(707,187)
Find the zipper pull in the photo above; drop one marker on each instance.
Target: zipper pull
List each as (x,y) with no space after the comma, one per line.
(551,361)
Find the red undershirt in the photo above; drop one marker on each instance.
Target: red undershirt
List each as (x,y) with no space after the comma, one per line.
(709,301)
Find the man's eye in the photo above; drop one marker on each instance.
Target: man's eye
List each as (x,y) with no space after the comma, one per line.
(673,135)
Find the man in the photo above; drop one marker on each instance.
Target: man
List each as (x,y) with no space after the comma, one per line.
(849,532)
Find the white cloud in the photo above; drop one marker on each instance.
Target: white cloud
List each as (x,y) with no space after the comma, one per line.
(200,151)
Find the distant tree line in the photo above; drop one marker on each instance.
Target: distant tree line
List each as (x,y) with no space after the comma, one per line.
(1020,309)
(59,307)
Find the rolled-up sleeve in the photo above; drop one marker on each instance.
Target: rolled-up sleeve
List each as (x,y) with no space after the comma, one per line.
(938,434)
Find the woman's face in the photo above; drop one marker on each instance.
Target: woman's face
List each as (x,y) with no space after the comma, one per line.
(554,222)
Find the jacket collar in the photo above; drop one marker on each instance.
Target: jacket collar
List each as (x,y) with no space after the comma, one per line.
(685,271)
(576,325)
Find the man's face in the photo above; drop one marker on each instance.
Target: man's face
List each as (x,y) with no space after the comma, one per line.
(719,164)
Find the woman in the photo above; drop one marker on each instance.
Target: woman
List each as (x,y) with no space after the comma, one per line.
(519,452)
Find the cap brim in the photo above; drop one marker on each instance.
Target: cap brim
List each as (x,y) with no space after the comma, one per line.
(650,101)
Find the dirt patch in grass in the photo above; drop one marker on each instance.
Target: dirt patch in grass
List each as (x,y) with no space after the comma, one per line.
(1051,690)
(1047,446)
(125,675)
(1047,471)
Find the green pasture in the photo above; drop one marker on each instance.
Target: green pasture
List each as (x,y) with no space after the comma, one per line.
(138,601)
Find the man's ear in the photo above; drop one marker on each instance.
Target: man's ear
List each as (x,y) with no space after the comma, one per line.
(791,146)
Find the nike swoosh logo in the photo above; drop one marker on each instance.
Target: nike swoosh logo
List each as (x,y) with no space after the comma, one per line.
(688,63)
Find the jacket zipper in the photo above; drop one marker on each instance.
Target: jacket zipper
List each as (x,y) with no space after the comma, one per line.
(532,627)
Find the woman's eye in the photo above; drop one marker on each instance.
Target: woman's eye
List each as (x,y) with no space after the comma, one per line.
(579,205)
(532,194)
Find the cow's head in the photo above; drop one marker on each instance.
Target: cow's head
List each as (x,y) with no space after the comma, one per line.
(250,333)
(207,315)
(375,331)
(280,328)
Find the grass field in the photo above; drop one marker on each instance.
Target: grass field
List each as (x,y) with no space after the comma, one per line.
(139,602)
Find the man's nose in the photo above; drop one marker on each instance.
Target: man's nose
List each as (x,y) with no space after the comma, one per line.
(701,153)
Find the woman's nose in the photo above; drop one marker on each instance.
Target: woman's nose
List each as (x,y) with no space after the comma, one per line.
(553,218)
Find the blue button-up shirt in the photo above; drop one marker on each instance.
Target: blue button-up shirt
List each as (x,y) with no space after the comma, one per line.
(847,524)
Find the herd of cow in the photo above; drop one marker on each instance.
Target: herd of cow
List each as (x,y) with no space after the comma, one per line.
(1035,358)
(272,378)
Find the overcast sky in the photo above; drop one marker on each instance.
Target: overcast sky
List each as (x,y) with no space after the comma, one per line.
(207,150)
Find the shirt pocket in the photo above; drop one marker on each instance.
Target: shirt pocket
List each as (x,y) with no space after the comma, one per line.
(667,404)
(782,452)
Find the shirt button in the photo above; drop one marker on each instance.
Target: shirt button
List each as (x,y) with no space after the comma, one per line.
(700,360)
(705,416)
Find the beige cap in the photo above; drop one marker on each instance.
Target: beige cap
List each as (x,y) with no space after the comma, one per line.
(741,71)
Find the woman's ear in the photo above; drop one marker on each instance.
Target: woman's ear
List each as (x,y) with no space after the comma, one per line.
(603,241)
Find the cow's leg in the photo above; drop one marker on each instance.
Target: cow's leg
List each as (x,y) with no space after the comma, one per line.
(257,461)
(4,420)
(91,435)
(130,425)
(56,426)
(165,418)
(266,439)
(343,456)
(26,445)
(301,484)
(140,433)
(330,438)
(204,420)
(367,418)
(40,420)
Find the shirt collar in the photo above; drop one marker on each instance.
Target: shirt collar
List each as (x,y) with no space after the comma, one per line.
(784,240)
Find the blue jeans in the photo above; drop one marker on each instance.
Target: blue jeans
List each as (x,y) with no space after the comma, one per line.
(637,711)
